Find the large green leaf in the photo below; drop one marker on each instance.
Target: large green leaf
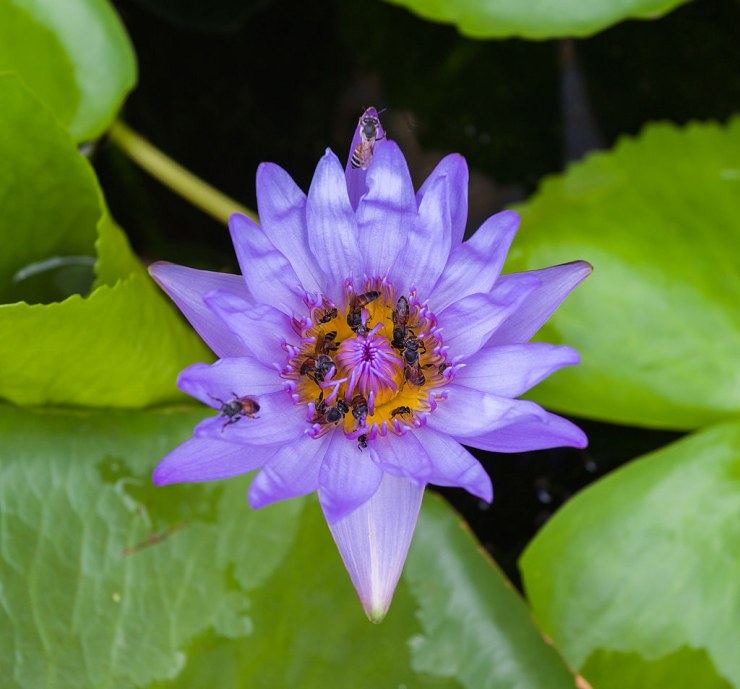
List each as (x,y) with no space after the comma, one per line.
(123,344)
(636,578)
(111,582)
(74,55)
(536,19)
(658,323)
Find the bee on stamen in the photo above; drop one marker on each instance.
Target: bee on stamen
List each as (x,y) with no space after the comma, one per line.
(359,408)
(318,366)
(400,316)
(400,411)
(327,414)
(362,156)
(328,315)
(414,375)
(237,408)
(412,348)
(354,314)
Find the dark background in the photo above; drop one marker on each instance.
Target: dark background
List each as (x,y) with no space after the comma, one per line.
(225,85)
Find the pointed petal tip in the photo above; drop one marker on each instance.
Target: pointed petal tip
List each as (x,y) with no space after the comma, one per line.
(156,268)
(376,613)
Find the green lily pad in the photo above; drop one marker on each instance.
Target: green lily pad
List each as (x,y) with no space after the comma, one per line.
(120,345)
(111,582)
(637,576)
(530,19)
(657,324)
(74,55)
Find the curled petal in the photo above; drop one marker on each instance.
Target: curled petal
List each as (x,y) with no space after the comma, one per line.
(475,265)
(228,378)
(454,170)
(277,421)
(282,211)
(468,324)
(291,472)
(332,229)
(267,272)
(261,328)
(556,283)
(468,413)
(374,540)
(206,459)
(187,287)
(348,478)
(536,433)
(454,466)
(387,210)
(511,370)
(424,257)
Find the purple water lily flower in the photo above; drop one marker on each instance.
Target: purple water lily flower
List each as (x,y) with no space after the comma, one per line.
(365,344)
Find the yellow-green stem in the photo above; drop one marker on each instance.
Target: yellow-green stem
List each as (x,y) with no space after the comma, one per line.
(174,175)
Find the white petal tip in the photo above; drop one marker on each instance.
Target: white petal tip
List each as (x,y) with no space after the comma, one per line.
(376,613)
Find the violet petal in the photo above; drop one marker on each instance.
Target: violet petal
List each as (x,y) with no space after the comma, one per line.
(293,471)
(387,210)
(277,421)
(261,328)
(348,478)
(468,324)
(374,540)
(187,287)
(229,378)
(402,456)
(454,466)
(425,255)
(542,433)
(475,265)
(282,211)
(268,273)
(206,459)
(467,412)
(511,370)
(455,171)
(332,229)
(557,283)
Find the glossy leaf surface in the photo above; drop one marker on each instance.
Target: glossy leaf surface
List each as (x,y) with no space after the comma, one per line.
(657,324)
(74,55)
(636,576)
(532,19)
(122,344)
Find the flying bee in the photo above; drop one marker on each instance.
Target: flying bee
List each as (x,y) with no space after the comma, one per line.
(414,375)
(327,414)
(359,407)
(237,408)
(328,315)
(400,411)
(362,442)
(354,315)
(362,156)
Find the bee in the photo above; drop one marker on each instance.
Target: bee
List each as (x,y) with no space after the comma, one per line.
(329,314)
(318,366)
(327,414)
(400,318)
(362,442)
(237,408)
(359,408)
(414,375)
(400,411)
(354,315)
(362,156)
(412,348)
